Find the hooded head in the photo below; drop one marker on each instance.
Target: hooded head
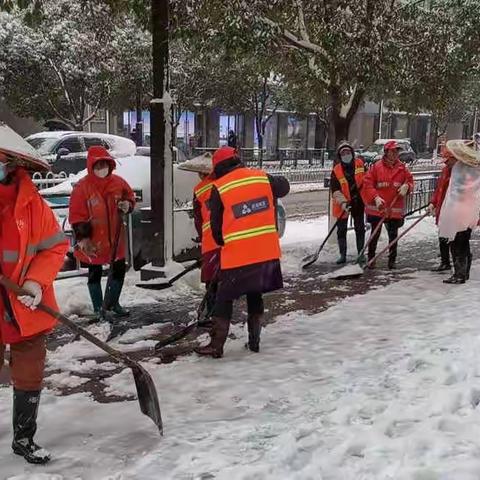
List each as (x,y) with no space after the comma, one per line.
(391,150)
(345,153)
(224,160)
(99,162)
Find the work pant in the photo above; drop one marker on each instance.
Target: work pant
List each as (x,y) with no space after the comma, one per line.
(392,225)
(342,227)
(444,250)
(27,363)
(224,309)
(119,270)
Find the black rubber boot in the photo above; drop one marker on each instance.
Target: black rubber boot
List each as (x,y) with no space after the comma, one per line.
(218,337)
(342,247)
(25,411)
(460,271)
(254,323)
(445,265)
(469,265)
(96,296)
(112,297)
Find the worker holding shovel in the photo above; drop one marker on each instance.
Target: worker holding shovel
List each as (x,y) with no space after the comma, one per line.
(461,208)
(32,251)
(97,206)
(385,185)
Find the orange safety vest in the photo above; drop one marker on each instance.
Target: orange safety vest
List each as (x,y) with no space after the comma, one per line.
(42,251)
(249,229)
(337,210)
(202,193)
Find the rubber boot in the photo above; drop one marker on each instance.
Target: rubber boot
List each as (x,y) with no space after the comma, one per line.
(469,265)
(460,270)
(96,296)
(360,244)
(342,246)
(254,323)
(445,257)
(112,297)
(392,262)
(218,337)
(25,411)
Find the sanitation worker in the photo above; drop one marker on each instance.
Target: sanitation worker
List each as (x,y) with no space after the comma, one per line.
(97,204)
(386,180)
(243,222)
(32,251)
(345,185)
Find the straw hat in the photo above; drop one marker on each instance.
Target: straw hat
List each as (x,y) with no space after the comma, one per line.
(200,164)
(14,148)
(465,151)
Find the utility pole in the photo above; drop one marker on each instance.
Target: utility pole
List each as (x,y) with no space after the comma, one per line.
(380,120)
(160,232)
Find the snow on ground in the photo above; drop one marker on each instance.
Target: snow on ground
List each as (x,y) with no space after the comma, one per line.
(381,386)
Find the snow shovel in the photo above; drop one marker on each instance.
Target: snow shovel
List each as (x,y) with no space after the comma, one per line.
(311,259)
(146,392)
(168,283)
(354,271)
(202,314)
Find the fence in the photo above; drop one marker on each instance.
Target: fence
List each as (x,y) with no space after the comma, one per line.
(49,180)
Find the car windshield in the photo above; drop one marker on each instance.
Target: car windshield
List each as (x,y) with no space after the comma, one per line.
(375,148)
(43,145)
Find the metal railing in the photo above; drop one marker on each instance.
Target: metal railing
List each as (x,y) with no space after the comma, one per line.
(49,180)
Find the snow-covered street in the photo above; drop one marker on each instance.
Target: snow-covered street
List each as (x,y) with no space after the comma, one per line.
(382,385)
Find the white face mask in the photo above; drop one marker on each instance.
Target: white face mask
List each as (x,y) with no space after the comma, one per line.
(347,158)
(101,172)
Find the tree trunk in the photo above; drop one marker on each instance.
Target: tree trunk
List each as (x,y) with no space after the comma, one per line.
(260,149)
(139,121)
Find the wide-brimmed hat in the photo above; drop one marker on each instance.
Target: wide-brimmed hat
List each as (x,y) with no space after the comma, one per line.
(200,164)
(465,151)
(19,151)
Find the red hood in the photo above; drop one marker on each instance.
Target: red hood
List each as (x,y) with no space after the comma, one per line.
(96,154)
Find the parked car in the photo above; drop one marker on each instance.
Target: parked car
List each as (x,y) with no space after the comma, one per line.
(66,151)
(136,171)
(375,151)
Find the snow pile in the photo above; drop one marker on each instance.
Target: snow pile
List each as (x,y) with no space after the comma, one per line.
(381,386)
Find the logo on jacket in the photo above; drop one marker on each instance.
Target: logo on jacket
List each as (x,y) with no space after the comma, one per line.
(250,207)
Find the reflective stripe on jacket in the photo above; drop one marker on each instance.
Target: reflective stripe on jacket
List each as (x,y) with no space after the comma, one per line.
(249,228)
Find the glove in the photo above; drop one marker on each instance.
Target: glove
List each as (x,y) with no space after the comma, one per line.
(36,294)
(346,207)
(380,203)
(124,206)
(403,190)
(87,247)
(431,209)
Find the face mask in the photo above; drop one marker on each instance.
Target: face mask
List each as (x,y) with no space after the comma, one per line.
(347,158)
(102,172)
(3,171)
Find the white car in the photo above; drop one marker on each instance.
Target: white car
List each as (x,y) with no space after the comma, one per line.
(66,151)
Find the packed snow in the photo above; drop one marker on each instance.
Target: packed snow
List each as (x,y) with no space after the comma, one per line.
(383,385)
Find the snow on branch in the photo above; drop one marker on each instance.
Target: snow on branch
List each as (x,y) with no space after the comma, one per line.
(294,40)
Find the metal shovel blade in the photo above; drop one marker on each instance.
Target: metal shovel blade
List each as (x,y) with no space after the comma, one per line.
(349,271)
(147,395)
(309,260)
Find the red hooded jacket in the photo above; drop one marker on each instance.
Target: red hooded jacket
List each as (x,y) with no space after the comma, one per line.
(32,247)
(94,201)
(384,180)
(440,191)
